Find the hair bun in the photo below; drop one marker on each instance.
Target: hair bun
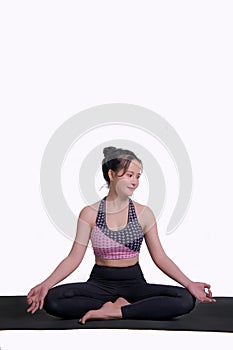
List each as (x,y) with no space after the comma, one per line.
(108,151)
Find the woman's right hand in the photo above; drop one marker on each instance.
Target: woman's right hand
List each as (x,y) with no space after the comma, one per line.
(35,297)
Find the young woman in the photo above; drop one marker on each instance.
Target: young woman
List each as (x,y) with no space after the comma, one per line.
(116,288)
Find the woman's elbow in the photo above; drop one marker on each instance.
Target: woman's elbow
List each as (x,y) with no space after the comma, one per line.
(160,260)
(77,254)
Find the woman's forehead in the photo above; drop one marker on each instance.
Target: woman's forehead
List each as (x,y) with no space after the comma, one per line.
(135,166)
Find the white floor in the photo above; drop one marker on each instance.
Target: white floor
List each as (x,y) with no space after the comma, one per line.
(113,339)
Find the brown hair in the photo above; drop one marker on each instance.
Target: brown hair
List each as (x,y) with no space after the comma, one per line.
(117,159)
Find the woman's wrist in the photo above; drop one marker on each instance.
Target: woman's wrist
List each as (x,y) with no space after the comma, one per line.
(47,284)
(188,284)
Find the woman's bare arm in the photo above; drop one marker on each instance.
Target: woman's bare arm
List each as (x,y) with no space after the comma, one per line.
(157,252)
(37,294)
(165,264)
(67,265)
(77,252)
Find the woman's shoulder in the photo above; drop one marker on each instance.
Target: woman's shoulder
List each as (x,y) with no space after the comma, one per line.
(89,212)
(144,214)
(141,208)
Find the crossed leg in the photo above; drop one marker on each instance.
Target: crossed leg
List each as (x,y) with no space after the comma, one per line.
(159,302)
(139,301)
(110,310)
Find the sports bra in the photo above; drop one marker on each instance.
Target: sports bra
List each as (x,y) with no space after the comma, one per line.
(121,244)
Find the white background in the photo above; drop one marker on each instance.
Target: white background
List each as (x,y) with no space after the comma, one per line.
(61,57)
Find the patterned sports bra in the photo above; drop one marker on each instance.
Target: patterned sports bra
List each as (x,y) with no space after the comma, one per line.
(121,244)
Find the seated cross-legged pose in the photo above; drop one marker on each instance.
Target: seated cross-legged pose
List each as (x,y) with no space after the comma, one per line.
(116,287)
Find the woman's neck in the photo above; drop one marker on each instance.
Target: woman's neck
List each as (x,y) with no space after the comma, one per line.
(116,202)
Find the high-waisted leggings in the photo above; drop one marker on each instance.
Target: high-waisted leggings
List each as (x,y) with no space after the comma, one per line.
(147,301)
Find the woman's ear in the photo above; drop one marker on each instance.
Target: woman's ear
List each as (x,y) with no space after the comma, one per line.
(111,174)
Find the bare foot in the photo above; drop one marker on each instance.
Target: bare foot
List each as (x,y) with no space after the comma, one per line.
(108,311)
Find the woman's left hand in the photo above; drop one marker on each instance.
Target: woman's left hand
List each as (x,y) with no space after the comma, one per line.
(201,291)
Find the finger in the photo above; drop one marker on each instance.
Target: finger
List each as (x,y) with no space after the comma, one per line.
(41,304)
(31,300)
(31,292)
(206,285)
(82,320)
(211,299)
(209,293)
(29,295)
(208,300)
(31,308)
(210,296)
(35,308)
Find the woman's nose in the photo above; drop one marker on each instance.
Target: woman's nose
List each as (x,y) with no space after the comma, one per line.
(134,182)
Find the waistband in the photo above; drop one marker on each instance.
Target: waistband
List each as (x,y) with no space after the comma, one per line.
(116,273)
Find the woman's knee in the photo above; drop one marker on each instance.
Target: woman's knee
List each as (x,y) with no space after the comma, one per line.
(188,301)
(52,298)
(51,304)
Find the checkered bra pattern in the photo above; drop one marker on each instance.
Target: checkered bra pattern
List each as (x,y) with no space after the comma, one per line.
(122,244)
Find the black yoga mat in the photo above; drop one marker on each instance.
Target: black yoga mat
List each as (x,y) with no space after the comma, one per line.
(208,317)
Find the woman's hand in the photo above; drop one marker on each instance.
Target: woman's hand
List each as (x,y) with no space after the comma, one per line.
(35,297)
(201,291)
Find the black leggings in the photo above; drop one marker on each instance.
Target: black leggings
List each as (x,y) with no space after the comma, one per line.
(147,301)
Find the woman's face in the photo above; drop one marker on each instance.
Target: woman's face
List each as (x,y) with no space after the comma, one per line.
(126,184)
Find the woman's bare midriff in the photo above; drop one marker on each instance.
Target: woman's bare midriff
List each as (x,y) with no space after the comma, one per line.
(116,262)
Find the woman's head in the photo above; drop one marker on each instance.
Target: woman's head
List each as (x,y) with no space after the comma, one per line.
(117,160)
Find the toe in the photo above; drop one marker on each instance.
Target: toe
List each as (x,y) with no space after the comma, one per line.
(85,317)
(81,320)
